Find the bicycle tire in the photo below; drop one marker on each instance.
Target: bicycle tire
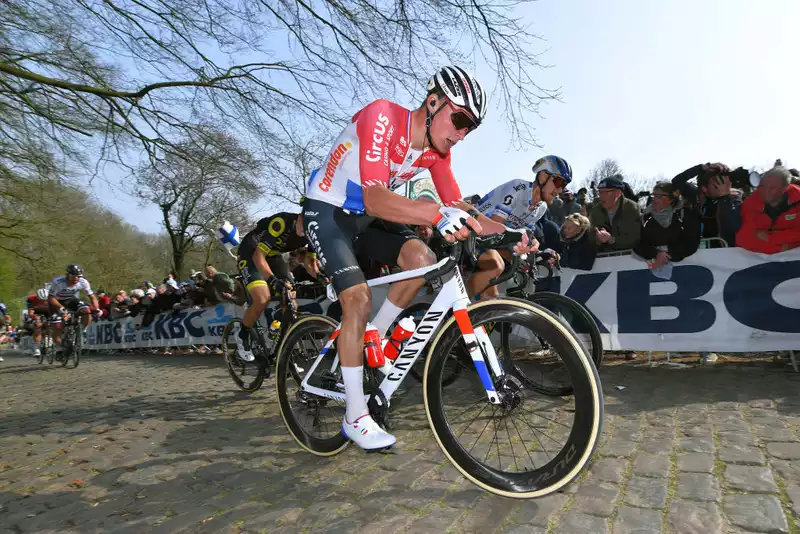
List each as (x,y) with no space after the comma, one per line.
(68,344)
(233,362)
(287,374)
(51,349)
(418,310)
(581,318)
(77,347)
(582,440)
(586,320)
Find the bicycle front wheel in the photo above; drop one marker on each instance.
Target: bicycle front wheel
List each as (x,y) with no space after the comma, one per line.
(49,346)
(73,357)
(529,445)
(314,421)
(246,375)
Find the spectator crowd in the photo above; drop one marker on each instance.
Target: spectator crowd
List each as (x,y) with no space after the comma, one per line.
(707,205)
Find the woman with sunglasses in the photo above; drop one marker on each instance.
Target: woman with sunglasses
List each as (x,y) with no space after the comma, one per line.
(519,205)
(351,210)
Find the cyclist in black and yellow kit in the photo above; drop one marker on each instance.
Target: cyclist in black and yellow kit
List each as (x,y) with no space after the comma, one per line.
(263,269)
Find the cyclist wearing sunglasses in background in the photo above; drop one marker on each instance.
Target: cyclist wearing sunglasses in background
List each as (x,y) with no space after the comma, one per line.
(351,210)
(519,204)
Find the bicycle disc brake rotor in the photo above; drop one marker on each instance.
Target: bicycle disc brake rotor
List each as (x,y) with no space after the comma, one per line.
(511,392)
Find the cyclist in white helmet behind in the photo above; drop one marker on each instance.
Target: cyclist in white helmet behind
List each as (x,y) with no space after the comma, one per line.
(350,209)
(518,204)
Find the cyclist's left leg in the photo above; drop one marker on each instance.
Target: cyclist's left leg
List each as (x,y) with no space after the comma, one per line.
(397,245)
(85,311)
(490,265)
(259,293)
(57,328)
(332,231)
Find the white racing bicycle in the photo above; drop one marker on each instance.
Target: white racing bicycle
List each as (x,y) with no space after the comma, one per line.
(503,436)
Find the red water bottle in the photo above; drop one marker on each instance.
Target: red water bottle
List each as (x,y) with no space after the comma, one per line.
(402,333)
(372,346)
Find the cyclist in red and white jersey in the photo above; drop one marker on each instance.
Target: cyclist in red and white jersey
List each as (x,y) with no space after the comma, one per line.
(38,308)
(350,209)
(64,295)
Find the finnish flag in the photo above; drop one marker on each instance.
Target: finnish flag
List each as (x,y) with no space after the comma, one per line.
(228,234)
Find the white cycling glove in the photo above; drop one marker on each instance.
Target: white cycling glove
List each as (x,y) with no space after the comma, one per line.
(450,220)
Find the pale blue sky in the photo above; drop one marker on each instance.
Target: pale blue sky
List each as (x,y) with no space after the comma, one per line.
(659,86)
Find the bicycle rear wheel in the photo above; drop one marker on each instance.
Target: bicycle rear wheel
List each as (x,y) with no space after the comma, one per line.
(246,375)
(314,421)
(529,445)
(545,371)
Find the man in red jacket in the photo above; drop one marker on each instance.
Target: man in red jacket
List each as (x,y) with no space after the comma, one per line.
(771,216)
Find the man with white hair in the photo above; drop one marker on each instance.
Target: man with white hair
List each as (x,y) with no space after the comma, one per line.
(771,216)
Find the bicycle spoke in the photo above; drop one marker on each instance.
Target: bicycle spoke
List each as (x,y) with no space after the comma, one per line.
(484,428)
(533,464)
(511,443)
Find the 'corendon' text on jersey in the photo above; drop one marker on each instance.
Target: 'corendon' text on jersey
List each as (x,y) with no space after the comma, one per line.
(330,170)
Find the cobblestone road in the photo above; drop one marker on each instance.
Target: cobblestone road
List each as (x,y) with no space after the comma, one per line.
(163,444)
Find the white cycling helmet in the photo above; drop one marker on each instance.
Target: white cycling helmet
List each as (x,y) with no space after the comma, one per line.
(462,89)
(42,294)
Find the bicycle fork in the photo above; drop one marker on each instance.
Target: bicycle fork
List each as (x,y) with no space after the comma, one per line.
(480,349)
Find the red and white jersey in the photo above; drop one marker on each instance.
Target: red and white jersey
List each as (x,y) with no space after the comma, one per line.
(37,305)
(375,149)
(61,290)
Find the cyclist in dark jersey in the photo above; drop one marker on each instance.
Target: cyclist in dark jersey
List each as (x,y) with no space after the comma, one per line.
(264,271)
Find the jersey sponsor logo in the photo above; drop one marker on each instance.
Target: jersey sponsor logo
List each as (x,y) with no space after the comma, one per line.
(375,154)
(520,187)
(277,226)
(311,233)
(333,162)
(508,200)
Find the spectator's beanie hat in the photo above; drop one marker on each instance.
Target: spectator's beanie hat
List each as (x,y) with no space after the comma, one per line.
(228,235)
(138,293)
(612,182)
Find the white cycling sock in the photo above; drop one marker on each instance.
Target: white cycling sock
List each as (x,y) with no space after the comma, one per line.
(386,316)
(353,378)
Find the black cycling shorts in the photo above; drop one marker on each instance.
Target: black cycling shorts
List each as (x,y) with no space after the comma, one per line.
(252,277)
(341,238)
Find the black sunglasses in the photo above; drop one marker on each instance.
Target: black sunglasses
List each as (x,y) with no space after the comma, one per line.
(461,120)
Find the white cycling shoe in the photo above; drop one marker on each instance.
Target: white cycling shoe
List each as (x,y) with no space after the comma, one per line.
(367,434)
(246,355)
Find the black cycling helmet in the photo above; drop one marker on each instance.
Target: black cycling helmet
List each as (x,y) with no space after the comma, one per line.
(74,270)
